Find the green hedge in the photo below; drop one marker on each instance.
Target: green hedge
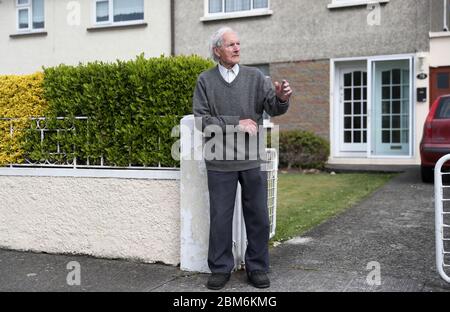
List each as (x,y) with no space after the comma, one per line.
(132,107)
(302,149)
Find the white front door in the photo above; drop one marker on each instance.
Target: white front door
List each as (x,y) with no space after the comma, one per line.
(353,109)
(391,108)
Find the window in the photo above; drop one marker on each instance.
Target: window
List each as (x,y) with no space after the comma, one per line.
(443,80)
(118,11)
(30,15)
(443,111)
(230,6)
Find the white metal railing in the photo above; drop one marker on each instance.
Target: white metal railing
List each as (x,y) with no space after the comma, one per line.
(272,183)
(239,231)
(442,218)
(40,125)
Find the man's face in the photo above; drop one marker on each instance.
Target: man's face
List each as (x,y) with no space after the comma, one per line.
(229,52)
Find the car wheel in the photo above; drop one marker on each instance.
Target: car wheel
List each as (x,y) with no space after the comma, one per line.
(427,174)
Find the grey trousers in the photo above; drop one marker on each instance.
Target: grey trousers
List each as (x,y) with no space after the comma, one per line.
(222,194)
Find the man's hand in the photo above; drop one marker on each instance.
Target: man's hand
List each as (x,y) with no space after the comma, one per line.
(283,91)
(249,126)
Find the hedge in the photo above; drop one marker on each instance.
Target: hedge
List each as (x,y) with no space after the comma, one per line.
(302,149)
(21,97)
(132,107)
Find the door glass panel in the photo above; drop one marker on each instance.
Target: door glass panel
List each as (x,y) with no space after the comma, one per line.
(396,76)
(391,107)
(357,78)
(348,80)
(348,94)
(357,137)
(355,108)
(347,136)
(348,108)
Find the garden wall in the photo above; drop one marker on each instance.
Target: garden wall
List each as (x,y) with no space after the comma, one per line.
(102,217)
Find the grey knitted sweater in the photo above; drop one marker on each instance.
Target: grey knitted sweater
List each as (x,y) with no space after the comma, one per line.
(223,104)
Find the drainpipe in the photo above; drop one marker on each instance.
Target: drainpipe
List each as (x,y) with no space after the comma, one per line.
(445,15)
(172,27)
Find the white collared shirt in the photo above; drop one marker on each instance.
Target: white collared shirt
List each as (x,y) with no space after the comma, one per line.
(229,74)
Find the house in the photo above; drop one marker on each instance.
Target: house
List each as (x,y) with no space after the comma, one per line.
(362,70)
(36,33)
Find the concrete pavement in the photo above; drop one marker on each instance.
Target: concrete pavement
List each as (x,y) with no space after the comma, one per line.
(390,233)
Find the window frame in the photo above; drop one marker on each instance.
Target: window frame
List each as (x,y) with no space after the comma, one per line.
(28,6)
(110,21)
(235,14)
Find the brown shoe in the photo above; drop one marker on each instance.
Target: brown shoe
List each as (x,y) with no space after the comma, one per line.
(217,281)
(258,279)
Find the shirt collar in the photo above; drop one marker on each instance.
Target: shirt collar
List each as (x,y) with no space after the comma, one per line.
(224,70)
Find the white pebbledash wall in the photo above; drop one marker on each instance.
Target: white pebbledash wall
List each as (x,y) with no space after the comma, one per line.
(104,217)
(194,206)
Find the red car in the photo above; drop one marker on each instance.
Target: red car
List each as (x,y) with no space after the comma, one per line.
(435,141)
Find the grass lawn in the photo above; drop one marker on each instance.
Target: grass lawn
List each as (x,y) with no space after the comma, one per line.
(306,200)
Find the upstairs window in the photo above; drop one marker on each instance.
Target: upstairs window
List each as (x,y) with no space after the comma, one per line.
(228,6)
(30,15)
(119,11)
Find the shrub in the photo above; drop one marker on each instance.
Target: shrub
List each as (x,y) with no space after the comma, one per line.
(302,149)
(132,107)
(21,97)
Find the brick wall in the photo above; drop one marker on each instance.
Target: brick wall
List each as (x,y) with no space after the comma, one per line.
(309,109)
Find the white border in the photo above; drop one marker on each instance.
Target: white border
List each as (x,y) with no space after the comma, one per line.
(154,174)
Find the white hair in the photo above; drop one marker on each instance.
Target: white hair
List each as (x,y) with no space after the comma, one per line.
(217,40)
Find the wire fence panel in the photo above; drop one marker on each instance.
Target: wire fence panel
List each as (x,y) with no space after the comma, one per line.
(442,217)
(65,143)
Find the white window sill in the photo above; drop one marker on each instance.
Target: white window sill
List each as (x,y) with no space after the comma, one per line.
(243,14)
(29,33)
(440,34)
(113,26)
(344,4)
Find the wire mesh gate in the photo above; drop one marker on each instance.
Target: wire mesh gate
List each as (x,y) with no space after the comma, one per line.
(442,218)
(239,232)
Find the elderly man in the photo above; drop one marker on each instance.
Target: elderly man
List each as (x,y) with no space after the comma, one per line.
(233,97)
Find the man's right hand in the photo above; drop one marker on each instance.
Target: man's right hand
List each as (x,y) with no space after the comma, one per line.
(249,126)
